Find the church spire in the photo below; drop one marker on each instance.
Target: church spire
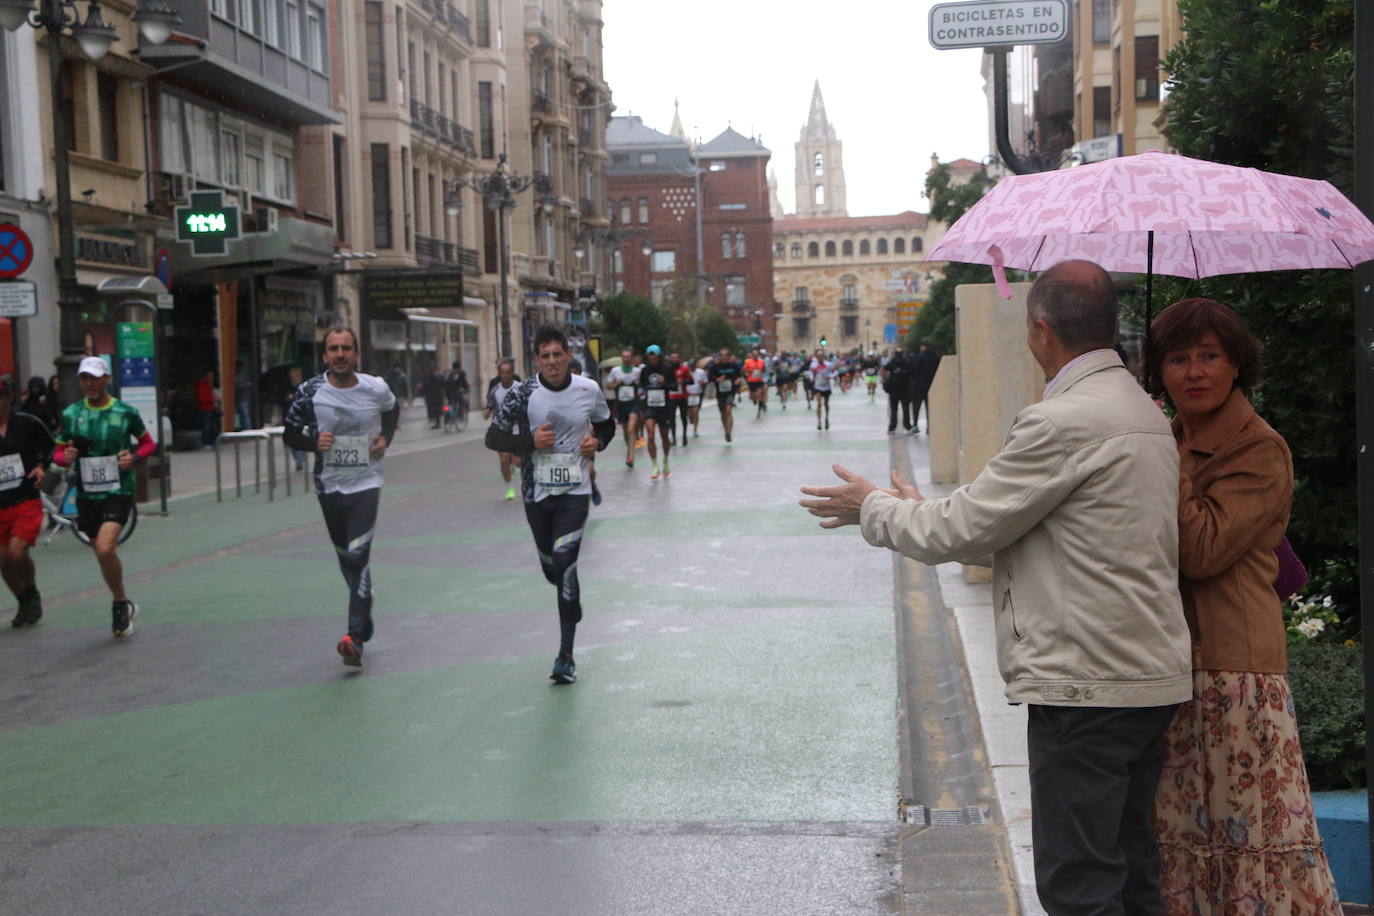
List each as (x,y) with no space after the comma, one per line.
(817,118)
(676,130)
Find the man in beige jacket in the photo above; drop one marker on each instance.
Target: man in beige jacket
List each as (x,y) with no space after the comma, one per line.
(1080,513)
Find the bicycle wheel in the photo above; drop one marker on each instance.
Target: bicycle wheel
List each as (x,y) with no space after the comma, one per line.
(124,533)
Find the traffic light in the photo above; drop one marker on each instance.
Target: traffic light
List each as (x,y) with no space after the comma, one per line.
(824,342)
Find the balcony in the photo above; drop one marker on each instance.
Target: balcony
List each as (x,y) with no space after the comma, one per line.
(801,305)
(438,251)
(540,103)
(849,305)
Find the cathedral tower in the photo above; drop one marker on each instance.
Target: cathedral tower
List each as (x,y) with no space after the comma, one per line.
(820,165)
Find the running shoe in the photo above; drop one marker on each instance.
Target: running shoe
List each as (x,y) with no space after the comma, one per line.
(352,651)
(630,465)
(727,437)
(30,608)
(665,467)
(655,474)
(123,614)
(564,669)
(510,492)
(596,496)
(827,422)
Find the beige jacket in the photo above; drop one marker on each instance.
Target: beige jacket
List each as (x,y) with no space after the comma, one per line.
(1080,512)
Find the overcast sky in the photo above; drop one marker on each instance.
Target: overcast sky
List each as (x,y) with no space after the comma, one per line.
(751,64)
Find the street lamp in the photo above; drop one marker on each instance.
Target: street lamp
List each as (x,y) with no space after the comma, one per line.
(614,236)
(155,20)
(498,190)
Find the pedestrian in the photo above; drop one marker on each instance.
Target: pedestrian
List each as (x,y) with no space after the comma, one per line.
(434,396)
(1234,811)
(348,419)
(1080,513)
(293,391)
(923,369)
(95,438)
(243,397)
(897,384)
(657,380)
(822,374)
(26,448)
(623,382)
(207,400)
(399,383)
(558,422)
(726,374)
(677,398)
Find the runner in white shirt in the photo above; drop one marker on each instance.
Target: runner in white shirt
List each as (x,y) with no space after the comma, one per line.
(695,388)
(822,372)
(502,385)
(558,421)
(347,419)
(623,383)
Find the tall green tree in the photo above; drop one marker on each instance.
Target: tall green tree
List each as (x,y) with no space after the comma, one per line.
(949,200)
(1270,84)
(624,320)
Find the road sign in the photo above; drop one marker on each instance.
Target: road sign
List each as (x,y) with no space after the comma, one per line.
(208,223)
(16,250)
(751,340)
(18,299)
(162,267)
(166,301)
(990,23)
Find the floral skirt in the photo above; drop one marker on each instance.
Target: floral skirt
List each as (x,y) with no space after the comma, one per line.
(1234,811)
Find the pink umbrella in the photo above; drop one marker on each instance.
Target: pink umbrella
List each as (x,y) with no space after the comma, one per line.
(1160,212)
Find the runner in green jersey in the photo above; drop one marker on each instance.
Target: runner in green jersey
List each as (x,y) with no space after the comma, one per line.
(95,436)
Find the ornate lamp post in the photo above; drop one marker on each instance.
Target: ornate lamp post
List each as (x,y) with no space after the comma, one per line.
(156,20)
(498,190)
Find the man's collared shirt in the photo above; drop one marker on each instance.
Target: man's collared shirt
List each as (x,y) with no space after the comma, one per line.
(1069,365)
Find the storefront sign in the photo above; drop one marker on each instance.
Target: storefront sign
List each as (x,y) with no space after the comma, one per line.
(18,299)
(420,289)
(104,251)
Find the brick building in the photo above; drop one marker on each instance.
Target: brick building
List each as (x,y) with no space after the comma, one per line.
(702,212)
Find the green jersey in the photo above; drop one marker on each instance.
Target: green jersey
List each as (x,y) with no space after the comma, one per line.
(100,433)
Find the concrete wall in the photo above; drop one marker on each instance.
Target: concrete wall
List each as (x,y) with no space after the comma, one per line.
(943,422)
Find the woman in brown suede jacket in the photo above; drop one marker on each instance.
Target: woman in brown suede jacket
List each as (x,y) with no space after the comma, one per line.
(1234,811)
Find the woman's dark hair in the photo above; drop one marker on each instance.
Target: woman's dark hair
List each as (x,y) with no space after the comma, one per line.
(1185,323)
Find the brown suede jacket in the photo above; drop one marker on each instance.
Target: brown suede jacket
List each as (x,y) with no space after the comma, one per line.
(1234,495)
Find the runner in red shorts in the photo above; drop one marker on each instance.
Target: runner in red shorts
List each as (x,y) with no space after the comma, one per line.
(26,446)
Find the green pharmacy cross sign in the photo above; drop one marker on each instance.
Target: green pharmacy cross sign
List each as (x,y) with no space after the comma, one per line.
(207,223)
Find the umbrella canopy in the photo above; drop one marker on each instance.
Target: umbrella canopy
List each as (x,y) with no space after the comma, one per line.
(1161,213)
(610,361)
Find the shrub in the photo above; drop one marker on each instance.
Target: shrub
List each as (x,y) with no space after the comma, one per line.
(1328,697)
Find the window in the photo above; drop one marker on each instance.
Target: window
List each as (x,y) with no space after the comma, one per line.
(1102,111)
(648,158)
(283,173)
(456,96)
(381,196)
(625,211)
(107,89)
(1147,68)
(657,288)
(248,15)
(217,7)
(848,293)
(644,209)
(863,246)
(813,249)
(410,70)
(734,291)
(716,165)
(314,35)
(375,43)
(293,28)
(818,165)
(739,244)
(340,222)
(847,247)
(663,262)
(727,245)
(482,19)
(882,246)
(899,246)
(67,104)
(801,295)
(230,158)
(426,74)
(203,155)
(796,249)
(849,325)
(801,328)
(916,245)
(254,168)
(271,23)
(1102,21)
(818,197)
(617,260)
(830,248)
(780,251)
(485,128)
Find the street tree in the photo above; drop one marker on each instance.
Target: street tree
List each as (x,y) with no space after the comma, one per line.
(625,320)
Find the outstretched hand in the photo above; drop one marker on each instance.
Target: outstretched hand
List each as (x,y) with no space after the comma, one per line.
(903,490)
(838,504)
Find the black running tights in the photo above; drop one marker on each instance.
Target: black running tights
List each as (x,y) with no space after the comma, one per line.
(350,519)
(557,523)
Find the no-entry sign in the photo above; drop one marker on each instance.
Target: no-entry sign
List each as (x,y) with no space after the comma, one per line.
(990,23)
(16,250)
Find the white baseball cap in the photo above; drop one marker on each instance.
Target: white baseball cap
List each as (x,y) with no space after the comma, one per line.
(93,365)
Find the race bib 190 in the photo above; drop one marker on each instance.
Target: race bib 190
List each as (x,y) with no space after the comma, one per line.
(557,470)
(349,453)
(100,474)
(11,471)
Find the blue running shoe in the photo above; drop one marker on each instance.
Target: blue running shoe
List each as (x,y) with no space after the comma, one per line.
(596,496)
(564,670)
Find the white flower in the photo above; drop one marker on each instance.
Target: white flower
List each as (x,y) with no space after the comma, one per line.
(1327,602)
(1311,627)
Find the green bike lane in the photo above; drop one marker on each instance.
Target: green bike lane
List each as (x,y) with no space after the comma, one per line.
(731,746)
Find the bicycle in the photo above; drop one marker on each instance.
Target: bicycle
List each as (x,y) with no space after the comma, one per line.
(59,512)
(456,415)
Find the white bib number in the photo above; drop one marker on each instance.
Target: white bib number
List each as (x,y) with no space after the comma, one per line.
(100,475)
(11,471)
(725,385)
(693,400)
(657,397)
(626,392)
(557,470)
(350,454)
